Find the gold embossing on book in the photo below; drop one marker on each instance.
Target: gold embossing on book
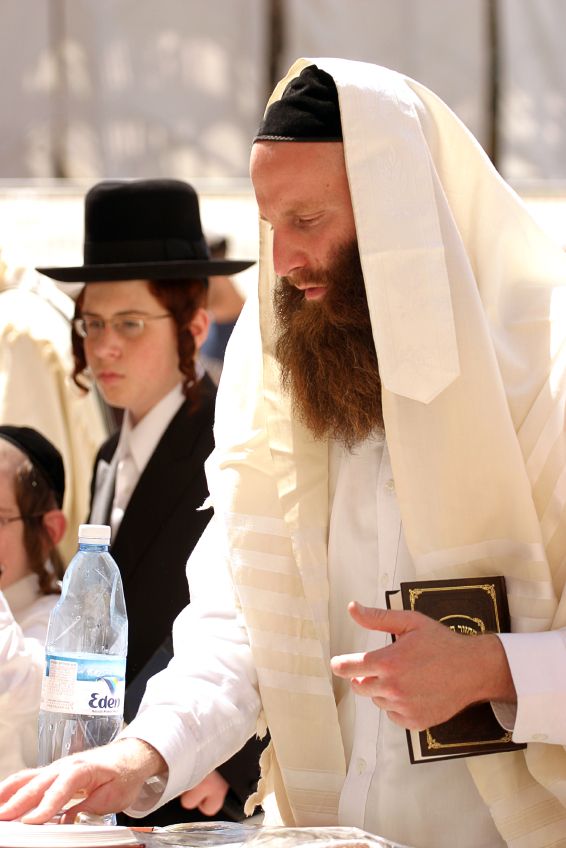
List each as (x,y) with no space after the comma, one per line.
(470,606)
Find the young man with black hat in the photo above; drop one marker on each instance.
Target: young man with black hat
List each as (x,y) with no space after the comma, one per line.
(408,309)
(140,320)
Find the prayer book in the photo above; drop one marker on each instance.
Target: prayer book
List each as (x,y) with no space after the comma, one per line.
(470,606)
(15,834)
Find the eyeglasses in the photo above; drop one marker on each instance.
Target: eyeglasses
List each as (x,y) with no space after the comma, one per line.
(126,326)
(5,520)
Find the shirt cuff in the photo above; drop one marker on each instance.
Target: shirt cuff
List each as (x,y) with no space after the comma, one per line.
(538,667)
(166,733)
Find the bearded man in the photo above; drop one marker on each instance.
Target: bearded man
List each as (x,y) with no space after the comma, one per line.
(325,349)
(391,407)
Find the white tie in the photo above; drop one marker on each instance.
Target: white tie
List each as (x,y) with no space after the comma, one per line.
(125,484)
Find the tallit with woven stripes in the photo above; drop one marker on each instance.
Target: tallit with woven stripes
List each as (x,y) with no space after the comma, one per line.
(468,304)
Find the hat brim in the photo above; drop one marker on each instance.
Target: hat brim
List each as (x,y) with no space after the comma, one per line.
(193,269)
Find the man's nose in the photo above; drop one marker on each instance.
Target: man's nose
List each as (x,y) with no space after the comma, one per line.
(107,343)
(288,256)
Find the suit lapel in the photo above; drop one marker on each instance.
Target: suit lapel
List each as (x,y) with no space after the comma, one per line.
(168,474)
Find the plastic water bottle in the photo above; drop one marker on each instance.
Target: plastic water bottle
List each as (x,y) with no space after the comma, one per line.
(82,694)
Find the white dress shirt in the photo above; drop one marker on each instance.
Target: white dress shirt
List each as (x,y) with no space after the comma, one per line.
(424,805)
(429,804)
(136,445)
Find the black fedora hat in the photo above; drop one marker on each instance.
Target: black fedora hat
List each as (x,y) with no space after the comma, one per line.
(144,229)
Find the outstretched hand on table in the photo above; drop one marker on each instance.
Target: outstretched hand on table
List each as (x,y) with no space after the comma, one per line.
(103,780)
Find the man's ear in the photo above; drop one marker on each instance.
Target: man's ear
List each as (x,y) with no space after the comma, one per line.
(55,523)
(198,325)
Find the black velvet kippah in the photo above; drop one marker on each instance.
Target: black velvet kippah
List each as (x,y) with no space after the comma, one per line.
(42,454)
(308,110)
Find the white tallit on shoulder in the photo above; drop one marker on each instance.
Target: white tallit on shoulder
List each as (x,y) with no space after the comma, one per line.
(468,304)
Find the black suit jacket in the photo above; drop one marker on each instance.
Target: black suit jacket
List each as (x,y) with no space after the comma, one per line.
(160,527)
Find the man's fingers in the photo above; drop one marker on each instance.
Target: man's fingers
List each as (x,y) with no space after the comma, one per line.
(62,787)
(30,794)
(208,795)
(12,784)
(402,720)
(348,665)
(388,621)
(198,798)
(192,798)
(103,780)
(362,664)
(210,806)
(61,793)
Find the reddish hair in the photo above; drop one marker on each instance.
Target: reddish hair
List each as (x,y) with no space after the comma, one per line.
(181,298)
(34,498)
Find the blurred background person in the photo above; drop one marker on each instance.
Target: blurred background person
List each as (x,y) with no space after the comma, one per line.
(32,485)
(140,321)
(224,305)
(36,389)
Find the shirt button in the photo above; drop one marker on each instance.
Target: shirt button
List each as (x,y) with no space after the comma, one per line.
(389,485)
(361,765)
(384,581)
(539,737)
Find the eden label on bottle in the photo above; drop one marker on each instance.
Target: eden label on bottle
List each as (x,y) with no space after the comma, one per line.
(82,685)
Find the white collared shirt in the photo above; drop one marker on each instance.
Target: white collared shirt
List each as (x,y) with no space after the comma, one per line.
(141,440)
(365,530)
(424,805)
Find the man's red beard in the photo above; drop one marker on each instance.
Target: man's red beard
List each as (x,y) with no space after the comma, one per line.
(326,351)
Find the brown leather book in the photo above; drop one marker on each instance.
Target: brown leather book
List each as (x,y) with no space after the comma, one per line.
(470,606)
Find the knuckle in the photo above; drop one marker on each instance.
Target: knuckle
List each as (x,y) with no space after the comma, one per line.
(378,613)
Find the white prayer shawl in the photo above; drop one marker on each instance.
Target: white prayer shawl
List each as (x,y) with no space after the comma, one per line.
(468,306)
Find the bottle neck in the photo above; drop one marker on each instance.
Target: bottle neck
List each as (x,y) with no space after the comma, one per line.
(93,547)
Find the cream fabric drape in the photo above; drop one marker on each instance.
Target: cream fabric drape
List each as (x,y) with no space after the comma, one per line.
(467,300)
(36,389)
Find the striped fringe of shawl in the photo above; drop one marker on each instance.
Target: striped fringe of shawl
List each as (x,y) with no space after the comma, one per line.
(467,303)
(279,572)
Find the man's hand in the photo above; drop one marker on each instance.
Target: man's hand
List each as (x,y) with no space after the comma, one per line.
(103,780)
(429,673)
(208,795)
